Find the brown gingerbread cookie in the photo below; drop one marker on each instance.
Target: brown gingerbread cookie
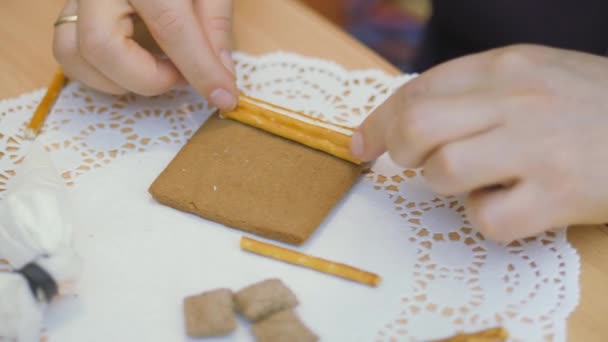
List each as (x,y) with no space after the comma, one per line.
(255,181)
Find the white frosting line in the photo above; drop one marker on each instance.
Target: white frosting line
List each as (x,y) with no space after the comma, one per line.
(302,118)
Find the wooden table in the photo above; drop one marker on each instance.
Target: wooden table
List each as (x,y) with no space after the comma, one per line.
(26,63)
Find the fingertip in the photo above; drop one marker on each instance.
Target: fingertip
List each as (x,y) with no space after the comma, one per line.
(218,88)
(361,146)
(505,214)
(223,99)
(371,140)
(356,145)
(364,146)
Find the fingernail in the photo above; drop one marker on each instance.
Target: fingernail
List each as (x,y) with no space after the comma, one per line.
(356,145)
(223,100)
(228,62)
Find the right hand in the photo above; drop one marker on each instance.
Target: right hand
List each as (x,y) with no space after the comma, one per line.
(99,50)
(519,130)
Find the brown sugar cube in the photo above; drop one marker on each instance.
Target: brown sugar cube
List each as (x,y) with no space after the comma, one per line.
(262,299)
(283,326)
(210,313)
(252,180)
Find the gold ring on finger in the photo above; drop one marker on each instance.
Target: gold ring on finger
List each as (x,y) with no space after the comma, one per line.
(66,19)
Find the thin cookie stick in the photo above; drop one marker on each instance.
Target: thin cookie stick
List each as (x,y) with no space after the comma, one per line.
(489,335)
(37,120)
(301,116)
(300,259)
(318,134)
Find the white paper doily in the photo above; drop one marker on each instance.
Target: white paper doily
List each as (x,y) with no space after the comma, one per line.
(439,275)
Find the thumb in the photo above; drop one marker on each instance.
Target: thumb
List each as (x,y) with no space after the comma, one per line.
(369,141)
(216,18)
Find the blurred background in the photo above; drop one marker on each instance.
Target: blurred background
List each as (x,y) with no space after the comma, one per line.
(392,28)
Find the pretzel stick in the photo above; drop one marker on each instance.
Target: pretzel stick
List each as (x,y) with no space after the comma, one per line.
(300,259)
(315,133)
(489,335)
(37,120)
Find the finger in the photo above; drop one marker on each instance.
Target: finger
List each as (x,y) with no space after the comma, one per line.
(461,75)
(422,125)
(481,161)
(177,30)
(104,37)
(369,141)
(470,72)
(456,75)
(492,68)
(65,50)
(216,16)
(509,213)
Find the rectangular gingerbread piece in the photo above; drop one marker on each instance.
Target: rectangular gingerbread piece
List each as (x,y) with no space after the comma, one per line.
(255,181)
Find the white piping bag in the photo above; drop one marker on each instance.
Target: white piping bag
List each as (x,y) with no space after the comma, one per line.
(36,238)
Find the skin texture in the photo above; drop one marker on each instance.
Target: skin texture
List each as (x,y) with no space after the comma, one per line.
(520,130)
(195,36)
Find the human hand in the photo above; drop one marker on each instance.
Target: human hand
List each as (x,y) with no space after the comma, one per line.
(522,131)
(99,49)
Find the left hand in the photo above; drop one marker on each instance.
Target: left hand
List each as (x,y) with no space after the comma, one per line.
(101,50)
(521,130)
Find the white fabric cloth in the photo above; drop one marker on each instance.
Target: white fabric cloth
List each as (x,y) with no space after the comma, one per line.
(35,226)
